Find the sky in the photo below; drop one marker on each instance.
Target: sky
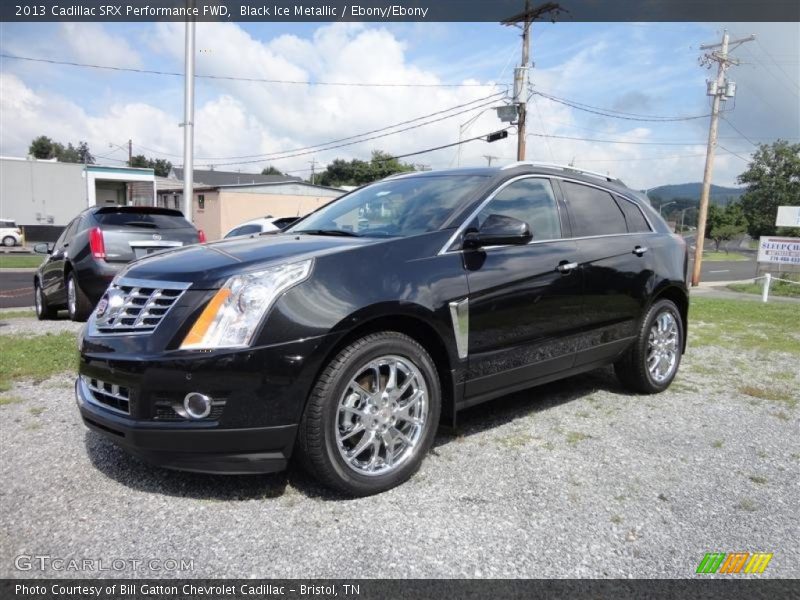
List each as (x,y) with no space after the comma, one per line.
(636,69)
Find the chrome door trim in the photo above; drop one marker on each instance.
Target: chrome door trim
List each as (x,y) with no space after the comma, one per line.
(459,313)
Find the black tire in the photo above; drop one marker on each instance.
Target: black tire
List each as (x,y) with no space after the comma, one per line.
(44,311)
(81,309)
(316,445)
(9,241)
(631,368)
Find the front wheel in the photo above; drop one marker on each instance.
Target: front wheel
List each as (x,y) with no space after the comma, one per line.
(650,364)
(372,415)
(9,241)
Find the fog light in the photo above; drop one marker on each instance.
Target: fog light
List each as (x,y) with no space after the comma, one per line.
(197,405)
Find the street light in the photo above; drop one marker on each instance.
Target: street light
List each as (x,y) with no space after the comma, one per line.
(661,206)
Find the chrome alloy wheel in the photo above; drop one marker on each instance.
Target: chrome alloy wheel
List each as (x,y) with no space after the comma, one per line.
(38,301)
(662,347)
(71,296)
(382,415)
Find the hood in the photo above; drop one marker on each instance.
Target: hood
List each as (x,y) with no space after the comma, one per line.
(208,266)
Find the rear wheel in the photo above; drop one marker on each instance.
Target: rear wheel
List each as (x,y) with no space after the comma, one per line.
(43,310)
(372,415)
(78,305)
(650,364)
(9,241)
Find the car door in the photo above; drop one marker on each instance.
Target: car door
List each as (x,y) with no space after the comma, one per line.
(53,270)
(615,270)
(524,301)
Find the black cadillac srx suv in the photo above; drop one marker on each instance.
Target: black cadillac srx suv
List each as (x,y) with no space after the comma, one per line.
(345,339)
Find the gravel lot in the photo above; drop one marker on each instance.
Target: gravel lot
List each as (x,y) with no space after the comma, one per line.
(572,479)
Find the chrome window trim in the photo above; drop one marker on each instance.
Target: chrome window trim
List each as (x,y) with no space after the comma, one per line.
(445,249)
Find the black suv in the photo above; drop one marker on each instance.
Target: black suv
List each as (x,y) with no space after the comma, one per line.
(92,249)
(347,338)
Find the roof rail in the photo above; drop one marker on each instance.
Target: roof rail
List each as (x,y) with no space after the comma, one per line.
(533,163)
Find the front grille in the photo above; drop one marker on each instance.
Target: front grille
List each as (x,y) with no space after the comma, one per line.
(108,395)
(136,306)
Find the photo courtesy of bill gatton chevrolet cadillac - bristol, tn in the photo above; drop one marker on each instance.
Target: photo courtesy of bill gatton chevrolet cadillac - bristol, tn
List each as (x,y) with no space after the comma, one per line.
(345,340)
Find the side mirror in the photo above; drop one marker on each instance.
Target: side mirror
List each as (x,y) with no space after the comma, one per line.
(499,230)
(43,248)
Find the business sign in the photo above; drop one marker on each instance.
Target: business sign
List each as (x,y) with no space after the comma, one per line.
(788,216)
(779,250)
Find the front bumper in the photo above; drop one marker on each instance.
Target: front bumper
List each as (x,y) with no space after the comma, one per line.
(260,392)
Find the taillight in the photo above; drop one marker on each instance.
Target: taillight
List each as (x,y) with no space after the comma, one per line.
(201,236)
(96,243)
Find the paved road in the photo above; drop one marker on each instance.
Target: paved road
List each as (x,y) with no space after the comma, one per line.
(16,286)
(16,289)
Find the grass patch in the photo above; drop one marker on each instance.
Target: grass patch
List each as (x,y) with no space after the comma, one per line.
(11,261)
(744,324)
(36,411)
(616,519)
(573,437)
(723,256)
(759,479)
(776,288)
(717,444)
(6,400)
(746,504)
(771,394)
(17,314)
(516,440)
(37,357)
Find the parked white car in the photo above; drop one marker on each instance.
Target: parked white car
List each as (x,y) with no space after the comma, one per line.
(265,224)
(10,234)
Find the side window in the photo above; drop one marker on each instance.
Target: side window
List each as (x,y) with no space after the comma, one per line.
(633,216)
(248,229)
(592,211)
(66,235)
(530,200)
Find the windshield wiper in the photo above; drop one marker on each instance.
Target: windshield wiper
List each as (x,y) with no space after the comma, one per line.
(327,232)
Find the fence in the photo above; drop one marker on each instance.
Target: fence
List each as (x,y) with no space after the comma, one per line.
(768,279)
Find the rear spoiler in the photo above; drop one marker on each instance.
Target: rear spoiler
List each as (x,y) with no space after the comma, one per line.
(149,210)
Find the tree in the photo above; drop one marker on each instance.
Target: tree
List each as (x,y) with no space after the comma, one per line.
(360,172)
(270,170)
(773,180)
(161,166)
(84,154)
(724,224)
(41,147)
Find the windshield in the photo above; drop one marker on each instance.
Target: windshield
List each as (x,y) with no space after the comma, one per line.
(394,208)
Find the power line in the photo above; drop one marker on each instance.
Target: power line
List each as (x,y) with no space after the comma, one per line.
(606,112)
(251,79)
(607,141)
(492,98)
(736,129)
(294,154)
(427,150)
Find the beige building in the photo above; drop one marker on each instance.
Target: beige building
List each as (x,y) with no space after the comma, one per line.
(219,209)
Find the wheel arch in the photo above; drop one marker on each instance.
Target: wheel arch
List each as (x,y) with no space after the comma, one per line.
(680,297)
(416,326)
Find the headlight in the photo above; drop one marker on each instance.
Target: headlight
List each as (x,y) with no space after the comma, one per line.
(231,318)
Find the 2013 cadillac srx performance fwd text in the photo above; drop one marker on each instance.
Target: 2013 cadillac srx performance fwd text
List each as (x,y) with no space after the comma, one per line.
(344,341)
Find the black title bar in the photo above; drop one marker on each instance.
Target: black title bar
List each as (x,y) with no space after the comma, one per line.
(395,10)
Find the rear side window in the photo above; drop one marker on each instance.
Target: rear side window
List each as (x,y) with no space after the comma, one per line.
(141,219)
(245,230)
(531,201)
(592,211)
(633,216)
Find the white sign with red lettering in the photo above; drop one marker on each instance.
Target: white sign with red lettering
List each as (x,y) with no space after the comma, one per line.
(779,250)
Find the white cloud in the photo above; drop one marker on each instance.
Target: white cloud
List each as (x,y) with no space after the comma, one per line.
(85,42)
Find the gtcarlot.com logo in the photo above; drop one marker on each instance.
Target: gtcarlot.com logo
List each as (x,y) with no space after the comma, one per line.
(735,562)
(46,562)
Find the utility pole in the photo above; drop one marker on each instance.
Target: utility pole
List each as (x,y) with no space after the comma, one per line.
(526,18)
(188,121)
(130,164)
(720,90)
(489,158)
(313,163)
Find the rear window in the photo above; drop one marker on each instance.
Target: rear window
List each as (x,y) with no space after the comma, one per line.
(148,220)
(593,211)
(7,223)
(633,216)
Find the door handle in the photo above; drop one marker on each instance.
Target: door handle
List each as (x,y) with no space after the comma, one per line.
(566,267)
(640,250)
